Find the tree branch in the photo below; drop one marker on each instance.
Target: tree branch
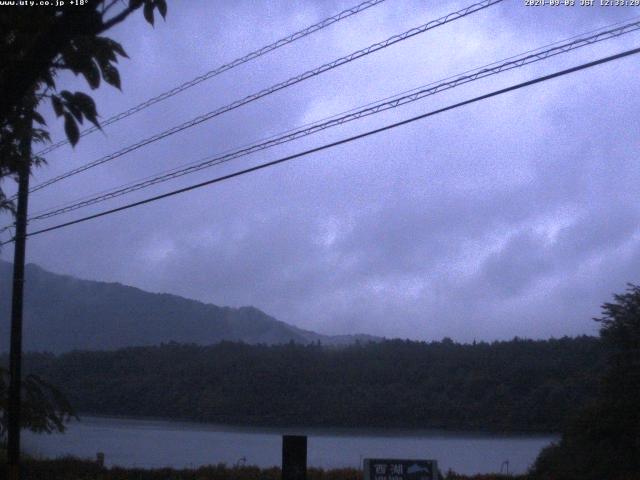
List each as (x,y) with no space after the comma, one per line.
(116,20)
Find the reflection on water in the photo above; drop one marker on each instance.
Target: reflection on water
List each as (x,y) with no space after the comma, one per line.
(147,443)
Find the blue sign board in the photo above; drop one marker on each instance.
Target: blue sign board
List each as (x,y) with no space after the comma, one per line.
(400,469)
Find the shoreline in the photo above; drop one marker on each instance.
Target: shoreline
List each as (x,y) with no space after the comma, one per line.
(324,430)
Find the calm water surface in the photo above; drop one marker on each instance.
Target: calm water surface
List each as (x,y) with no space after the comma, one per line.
(150,443)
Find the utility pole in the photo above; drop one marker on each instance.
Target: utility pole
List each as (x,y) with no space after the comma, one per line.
(15,355)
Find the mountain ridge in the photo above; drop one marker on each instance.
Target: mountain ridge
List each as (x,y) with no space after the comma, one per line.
(63,313)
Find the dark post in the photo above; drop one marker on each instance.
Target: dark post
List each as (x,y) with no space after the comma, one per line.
(15,355)
(294,457)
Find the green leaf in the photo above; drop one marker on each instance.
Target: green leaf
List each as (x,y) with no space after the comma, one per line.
(70,105)
(103,50)
(84,101)
(111,76)
(40,136)
(134,4)
(38,118)
(37,160)
(88,107)
(116,47)
(162,8)
(71,129)
(57,105)
(148,12)
(81,97)
(67,95)
(91,74)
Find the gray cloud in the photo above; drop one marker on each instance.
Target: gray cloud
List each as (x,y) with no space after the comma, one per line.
(516,216)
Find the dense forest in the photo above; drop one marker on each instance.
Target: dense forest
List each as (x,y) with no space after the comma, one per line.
(518,385)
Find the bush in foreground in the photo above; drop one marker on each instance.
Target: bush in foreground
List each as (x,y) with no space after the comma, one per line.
(71,468)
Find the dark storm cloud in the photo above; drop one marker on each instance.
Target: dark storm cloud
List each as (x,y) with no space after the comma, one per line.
(517,216)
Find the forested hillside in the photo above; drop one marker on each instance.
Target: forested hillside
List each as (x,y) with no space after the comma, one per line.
(520,385)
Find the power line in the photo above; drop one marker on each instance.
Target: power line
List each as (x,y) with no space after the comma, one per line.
(274,88)
(291,81)
(223,68)
(343,141)
(601,31)
(428,90)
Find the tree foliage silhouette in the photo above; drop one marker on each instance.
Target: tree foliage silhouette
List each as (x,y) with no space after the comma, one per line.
(36,44)
(603,441)
(44,408)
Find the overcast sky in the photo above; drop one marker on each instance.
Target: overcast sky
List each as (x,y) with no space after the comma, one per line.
(514,216)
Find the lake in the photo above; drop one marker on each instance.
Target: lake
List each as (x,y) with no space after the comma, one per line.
(152,443)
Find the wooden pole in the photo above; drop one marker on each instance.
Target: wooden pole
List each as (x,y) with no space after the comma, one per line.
(15,353)
(294,457)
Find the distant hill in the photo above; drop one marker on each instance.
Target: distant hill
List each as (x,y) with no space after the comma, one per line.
(64,313)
